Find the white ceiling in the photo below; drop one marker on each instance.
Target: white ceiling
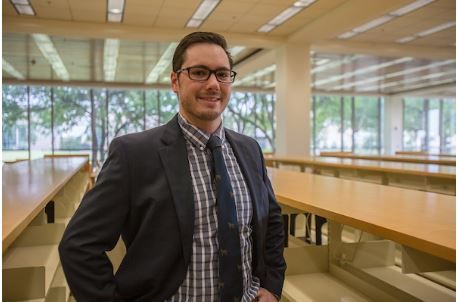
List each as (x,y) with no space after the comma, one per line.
(365,63)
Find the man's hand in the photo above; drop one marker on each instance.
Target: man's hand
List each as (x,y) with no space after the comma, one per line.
(265,296)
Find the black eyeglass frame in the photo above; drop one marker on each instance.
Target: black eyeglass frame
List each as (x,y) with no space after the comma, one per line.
(211,71)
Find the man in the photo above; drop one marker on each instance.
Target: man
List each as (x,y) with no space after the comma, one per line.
(159,190)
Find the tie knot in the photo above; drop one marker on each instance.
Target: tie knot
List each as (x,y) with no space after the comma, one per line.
(214,142)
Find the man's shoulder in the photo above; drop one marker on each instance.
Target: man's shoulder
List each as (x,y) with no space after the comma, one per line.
(150,137)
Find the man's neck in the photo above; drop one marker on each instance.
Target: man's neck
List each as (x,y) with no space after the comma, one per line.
(209,127)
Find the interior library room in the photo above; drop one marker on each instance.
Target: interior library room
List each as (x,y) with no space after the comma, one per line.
(228,150)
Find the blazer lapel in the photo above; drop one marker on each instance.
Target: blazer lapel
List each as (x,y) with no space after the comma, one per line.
(174,157)
(247,164)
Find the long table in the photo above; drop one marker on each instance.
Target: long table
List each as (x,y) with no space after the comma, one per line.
(419,159)
(28,186)
(421,176)
(421,220)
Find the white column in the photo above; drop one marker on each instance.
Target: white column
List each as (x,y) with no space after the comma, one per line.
(392,131)
(293,94)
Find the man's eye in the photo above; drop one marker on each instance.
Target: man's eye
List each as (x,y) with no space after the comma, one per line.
(199,72)
(223,74)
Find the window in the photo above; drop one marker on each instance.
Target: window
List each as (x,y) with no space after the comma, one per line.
(429,125)
(40,121)
(72,121)
(15,123)
(344,123)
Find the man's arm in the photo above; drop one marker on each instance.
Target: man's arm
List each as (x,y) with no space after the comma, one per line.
(95,229)
(273,255)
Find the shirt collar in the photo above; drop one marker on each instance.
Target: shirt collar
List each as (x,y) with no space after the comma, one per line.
(196,136)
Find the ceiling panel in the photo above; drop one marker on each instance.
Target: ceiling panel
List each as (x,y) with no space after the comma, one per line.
(8,8)
(83,57)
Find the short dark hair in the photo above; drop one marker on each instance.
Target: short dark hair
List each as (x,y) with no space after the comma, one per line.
(194,38)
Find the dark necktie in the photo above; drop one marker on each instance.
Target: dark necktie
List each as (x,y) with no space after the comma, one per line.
(230,281)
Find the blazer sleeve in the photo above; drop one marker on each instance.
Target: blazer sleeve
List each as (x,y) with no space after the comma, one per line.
(274,244)
(94,229)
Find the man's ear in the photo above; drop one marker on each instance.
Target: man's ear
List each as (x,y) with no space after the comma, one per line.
(174,80)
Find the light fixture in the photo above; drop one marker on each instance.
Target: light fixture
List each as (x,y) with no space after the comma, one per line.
(410,7)
(234,51)
(162,64)
(412,80)
(427,32)
(115,10)
(363,70)
(384,19)
(285,15)
(7,67)
(372,24)
(23,7)
(203,11)
(48,50)
(394,74)
(334,64)
(257,74)
(110,58)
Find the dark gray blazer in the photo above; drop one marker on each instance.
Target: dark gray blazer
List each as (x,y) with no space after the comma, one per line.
(144,192)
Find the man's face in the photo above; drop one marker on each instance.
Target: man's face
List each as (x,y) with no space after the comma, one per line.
(202,102)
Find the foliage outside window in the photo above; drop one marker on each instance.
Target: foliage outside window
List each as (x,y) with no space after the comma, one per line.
(77,120)
(344,123)
(429,125)
(252,114)
(14,125)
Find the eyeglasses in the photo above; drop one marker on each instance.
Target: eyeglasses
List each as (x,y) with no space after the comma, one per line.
(202,73)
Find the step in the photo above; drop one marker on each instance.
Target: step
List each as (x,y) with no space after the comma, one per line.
(28,271)
(320,287)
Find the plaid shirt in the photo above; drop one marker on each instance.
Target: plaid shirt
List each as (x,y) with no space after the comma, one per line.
(201,281)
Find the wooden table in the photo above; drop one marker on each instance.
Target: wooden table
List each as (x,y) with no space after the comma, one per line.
(419,159)
(27,188)
(420,220)
(427,177)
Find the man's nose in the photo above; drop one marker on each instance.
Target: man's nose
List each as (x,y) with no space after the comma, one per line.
(212,80)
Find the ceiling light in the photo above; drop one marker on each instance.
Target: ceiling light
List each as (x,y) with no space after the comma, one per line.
(436,29)
(257,74)
(384,19)
(412,6)
(285,15)
(347,35)
(411,80)
(362,70)
(303,3)
(11,70)
(23,7)
(266,28)
(115,10)
(162,64)
(110,58)
(372,24)
(234,51)
(394,74)
(406,39)
(334,64)
(201,14)
(427,32)
(429,84)
(48,50)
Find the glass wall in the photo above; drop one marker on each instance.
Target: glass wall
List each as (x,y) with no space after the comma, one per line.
(429,125)
(77,120)
(252,114)
(15,127)
(347,123)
